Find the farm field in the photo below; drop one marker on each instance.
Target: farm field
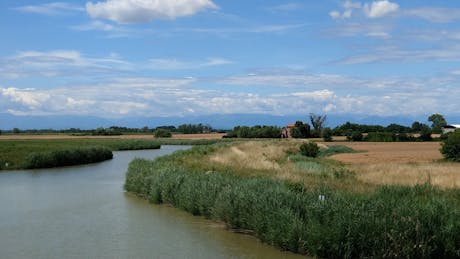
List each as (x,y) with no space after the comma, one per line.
(400,163)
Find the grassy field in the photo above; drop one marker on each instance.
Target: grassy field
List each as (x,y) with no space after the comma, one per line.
(409,163)
(314,206)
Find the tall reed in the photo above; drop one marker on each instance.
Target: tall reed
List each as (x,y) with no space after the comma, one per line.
(413,222)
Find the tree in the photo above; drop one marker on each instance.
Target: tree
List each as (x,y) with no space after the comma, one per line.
(162,133)
(416,126)
(425,133)
(317,121)
(300,130)
(438,122)
(451,146)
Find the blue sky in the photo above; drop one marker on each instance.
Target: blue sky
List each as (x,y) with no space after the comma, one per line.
(123,58)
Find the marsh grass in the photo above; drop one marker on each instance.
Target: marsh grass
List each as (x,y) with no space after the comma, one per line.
(320,219)
(66,157)
(14,152)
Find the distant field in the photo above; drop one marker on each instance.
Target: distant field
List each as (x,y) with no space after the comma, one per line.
(400,163)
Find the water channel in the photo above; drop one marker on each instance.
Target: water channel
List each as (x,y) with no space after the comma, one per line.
(83,212)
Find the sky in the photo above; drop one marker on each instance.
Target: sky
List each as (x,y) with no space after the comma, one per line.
(124,58)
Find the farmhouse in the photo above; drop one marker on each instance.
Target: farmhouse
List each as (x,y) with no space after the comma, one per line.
(450,128)
(286,131)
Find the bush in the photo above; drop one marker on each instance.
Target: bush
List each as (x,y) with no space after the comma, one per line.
(380,137)
(309,149)
(327,134)
(162,133)
(355,136)
(451,146)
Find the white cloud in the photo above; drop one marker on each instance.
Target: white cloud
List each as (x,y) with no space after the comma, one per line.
(137,11)
(95,26)
(174,64)
(396,54)
(376,9)
(181,97)
(381,8)
(437,15)
(54,8)
(58,63)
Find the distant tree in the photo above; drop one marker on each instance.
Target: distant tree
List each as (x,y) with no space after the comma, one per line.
(396,128)
(300,130)
(16,131)
(317,121)
(425,133)
(162,133)
(438,122)
(416,127)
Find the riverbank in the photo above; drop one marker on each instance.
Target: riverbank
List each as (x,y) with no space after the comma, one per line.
(13,152)
(309,206)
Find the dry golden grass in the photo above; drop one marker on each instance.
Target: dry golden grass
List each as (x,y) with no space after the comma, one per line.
(252,154)
(445,175)
(401,163)
(268,158)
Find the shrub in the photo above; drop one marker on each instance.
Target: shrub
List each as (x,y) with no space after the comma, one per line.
(162,133)
(451,146)
(327,134)
(380,137)
(355,136)
(309,149)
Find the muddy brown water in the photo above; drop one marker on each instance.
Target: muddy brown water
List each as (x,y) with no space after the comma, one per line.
(83,212)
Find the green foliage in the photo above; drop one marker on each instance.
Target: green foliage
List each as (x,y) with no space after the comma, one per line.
(333,150)
(327,134)
(348,127)
(438,122)
(355,136)
(194,128)
(402,222)
(162,133)
(105,132)
(310,149)
(255,132)
(300,130)
(425,133)
(451,146)
(67,157)
(317,121)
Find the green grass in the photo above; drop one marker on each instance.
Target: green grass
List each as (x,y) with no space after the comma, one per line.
(14,152)
(66,157)
(402,222)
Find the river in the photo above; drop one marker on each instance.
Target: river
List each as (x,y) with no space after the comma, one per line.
(83,212)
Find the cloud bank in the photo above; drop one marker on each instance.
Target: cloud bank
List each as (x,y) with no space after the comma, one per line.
(138,11)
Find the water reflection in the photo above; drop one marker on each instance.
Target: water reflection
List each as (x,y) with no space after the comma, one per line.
(82,212)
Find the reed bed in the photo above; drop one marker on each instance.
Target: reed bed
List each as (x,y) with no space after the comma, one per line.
(318,219)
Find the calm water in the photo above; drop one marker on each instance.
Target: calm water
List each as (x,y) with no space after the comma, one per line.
(83,212)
